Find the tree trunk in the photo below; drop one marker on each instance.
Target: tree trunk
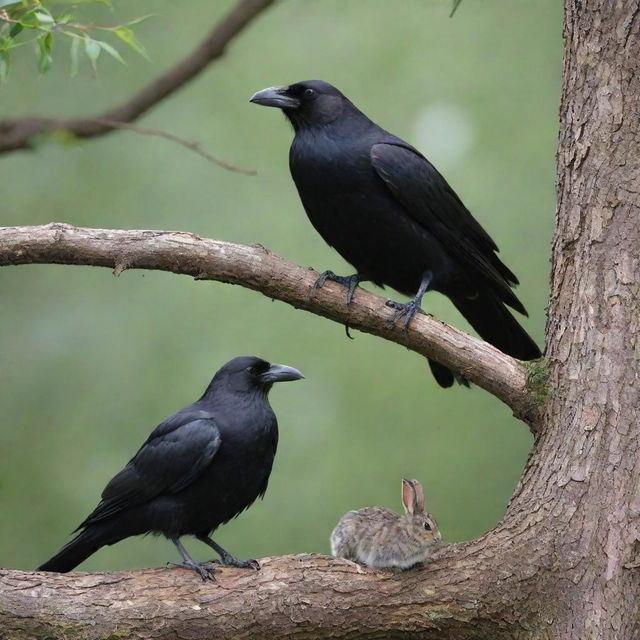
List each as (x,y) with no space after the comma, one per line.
(564,563)
(580,490)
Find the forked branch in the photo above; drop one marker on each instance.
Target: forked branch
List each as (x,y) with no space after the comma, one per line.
(18,133)
(257,268)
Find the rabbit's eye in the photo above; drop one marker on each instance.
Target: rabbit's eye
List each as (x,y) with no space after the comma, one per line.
(427,526)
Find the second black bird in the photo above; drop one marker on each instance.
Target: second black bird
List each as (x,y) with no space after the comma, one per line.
(197,470)
(385,208)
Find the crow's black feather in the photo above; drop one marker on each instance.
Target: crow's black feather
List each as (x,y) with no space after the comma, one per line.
(389,213)
(198,469)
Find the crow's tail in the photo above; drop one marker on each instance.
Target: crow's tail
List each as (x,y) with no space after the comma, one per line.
(445,377)
(488,315)
(75,551)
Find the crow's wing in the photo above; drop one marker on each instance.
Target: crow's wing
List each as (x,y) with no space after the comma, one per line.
(170,460)
(427,197)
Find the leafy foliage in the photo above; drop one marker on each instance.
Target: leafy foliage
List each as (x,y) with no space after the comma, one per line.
(27,22)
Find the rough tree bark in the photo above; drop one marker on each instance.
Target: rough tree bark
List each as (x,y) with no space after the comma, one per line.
(564,562)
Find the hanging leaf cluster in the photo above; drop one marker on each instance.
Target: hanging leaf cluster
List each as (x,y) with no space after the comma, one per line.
(30,22)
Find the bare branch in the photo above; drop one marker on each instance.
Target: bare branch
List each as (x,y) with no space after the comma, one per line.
(257,268)
(17,133)
(459,595)
(194,146)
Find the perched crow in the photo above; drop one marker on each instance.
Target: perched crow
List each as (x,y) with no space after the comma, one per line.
(198,469)
(387,211)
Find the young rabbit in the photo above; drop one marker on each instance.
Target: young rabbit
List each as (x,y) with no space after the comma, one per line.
(381,538)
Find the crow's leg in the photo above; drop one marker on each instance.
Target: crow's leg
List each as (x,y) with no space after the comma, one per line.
(407,310)
(226,558)
(351,282)
(203,569)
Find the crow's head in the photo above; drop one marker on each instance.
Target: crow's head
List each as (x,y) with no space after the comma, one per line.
(249,373)
(308,103)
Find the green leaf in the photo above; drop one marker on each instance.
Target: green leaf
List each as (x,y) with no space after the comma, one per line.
(64,18)
(44,18)
(75,58)
(126,35)
(111,51)
(6,3)
(36,18)
(4,65)
(92,49)
(29,20)
(44,45)
(15,30)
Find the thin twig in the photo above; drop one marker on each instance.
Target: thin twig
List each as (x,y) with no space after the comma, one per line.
(456,4)
(18,133)
(194,146)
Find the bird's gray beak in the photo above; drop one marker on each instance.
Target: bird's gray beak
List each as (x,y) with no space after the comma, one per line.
(280,373)
(275,97)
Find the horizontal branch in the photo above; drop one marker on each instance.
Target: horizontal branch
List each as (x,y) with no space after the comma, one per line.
(302,596)
(17,133)
(257,268)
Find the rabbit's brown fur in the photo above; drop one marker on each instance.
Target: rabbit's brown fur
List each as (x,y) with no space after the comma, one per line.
(381,538)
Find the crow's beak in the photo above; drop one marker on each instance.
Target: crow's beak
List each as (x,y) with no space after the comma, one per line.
(275,97)
(280,373)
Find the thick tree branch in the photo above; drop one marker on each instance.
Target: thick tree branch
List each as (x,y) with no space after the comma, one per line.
(459,595)
(17,133)
(257,268)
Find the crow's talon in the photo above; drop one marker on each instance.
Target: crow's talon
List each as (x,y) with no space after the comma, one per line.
(350,282)
(204,569)
(319,283)
(230,561)
(404,310)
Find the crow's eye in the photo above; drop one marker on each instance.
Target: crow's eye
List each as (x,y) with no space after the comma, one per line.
(427,526)
(309,93)
(257,369)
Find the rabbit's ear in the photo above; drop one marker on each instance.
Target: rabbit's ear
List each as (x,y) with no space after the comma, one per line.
(408,496)
(418,505)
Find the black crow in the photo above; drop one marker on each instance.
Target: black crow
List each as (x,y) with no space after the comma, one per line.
(197,470)
(386,210)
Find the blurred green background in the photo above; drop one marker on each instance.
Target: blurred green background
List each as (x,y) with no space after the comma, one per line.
(89,363)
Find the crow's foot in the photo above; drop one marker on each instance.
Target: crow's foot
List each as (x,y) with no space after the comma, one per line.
(231,561)
(409,309)
(351,282)
(226,558)
(404,310)
(204,569)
